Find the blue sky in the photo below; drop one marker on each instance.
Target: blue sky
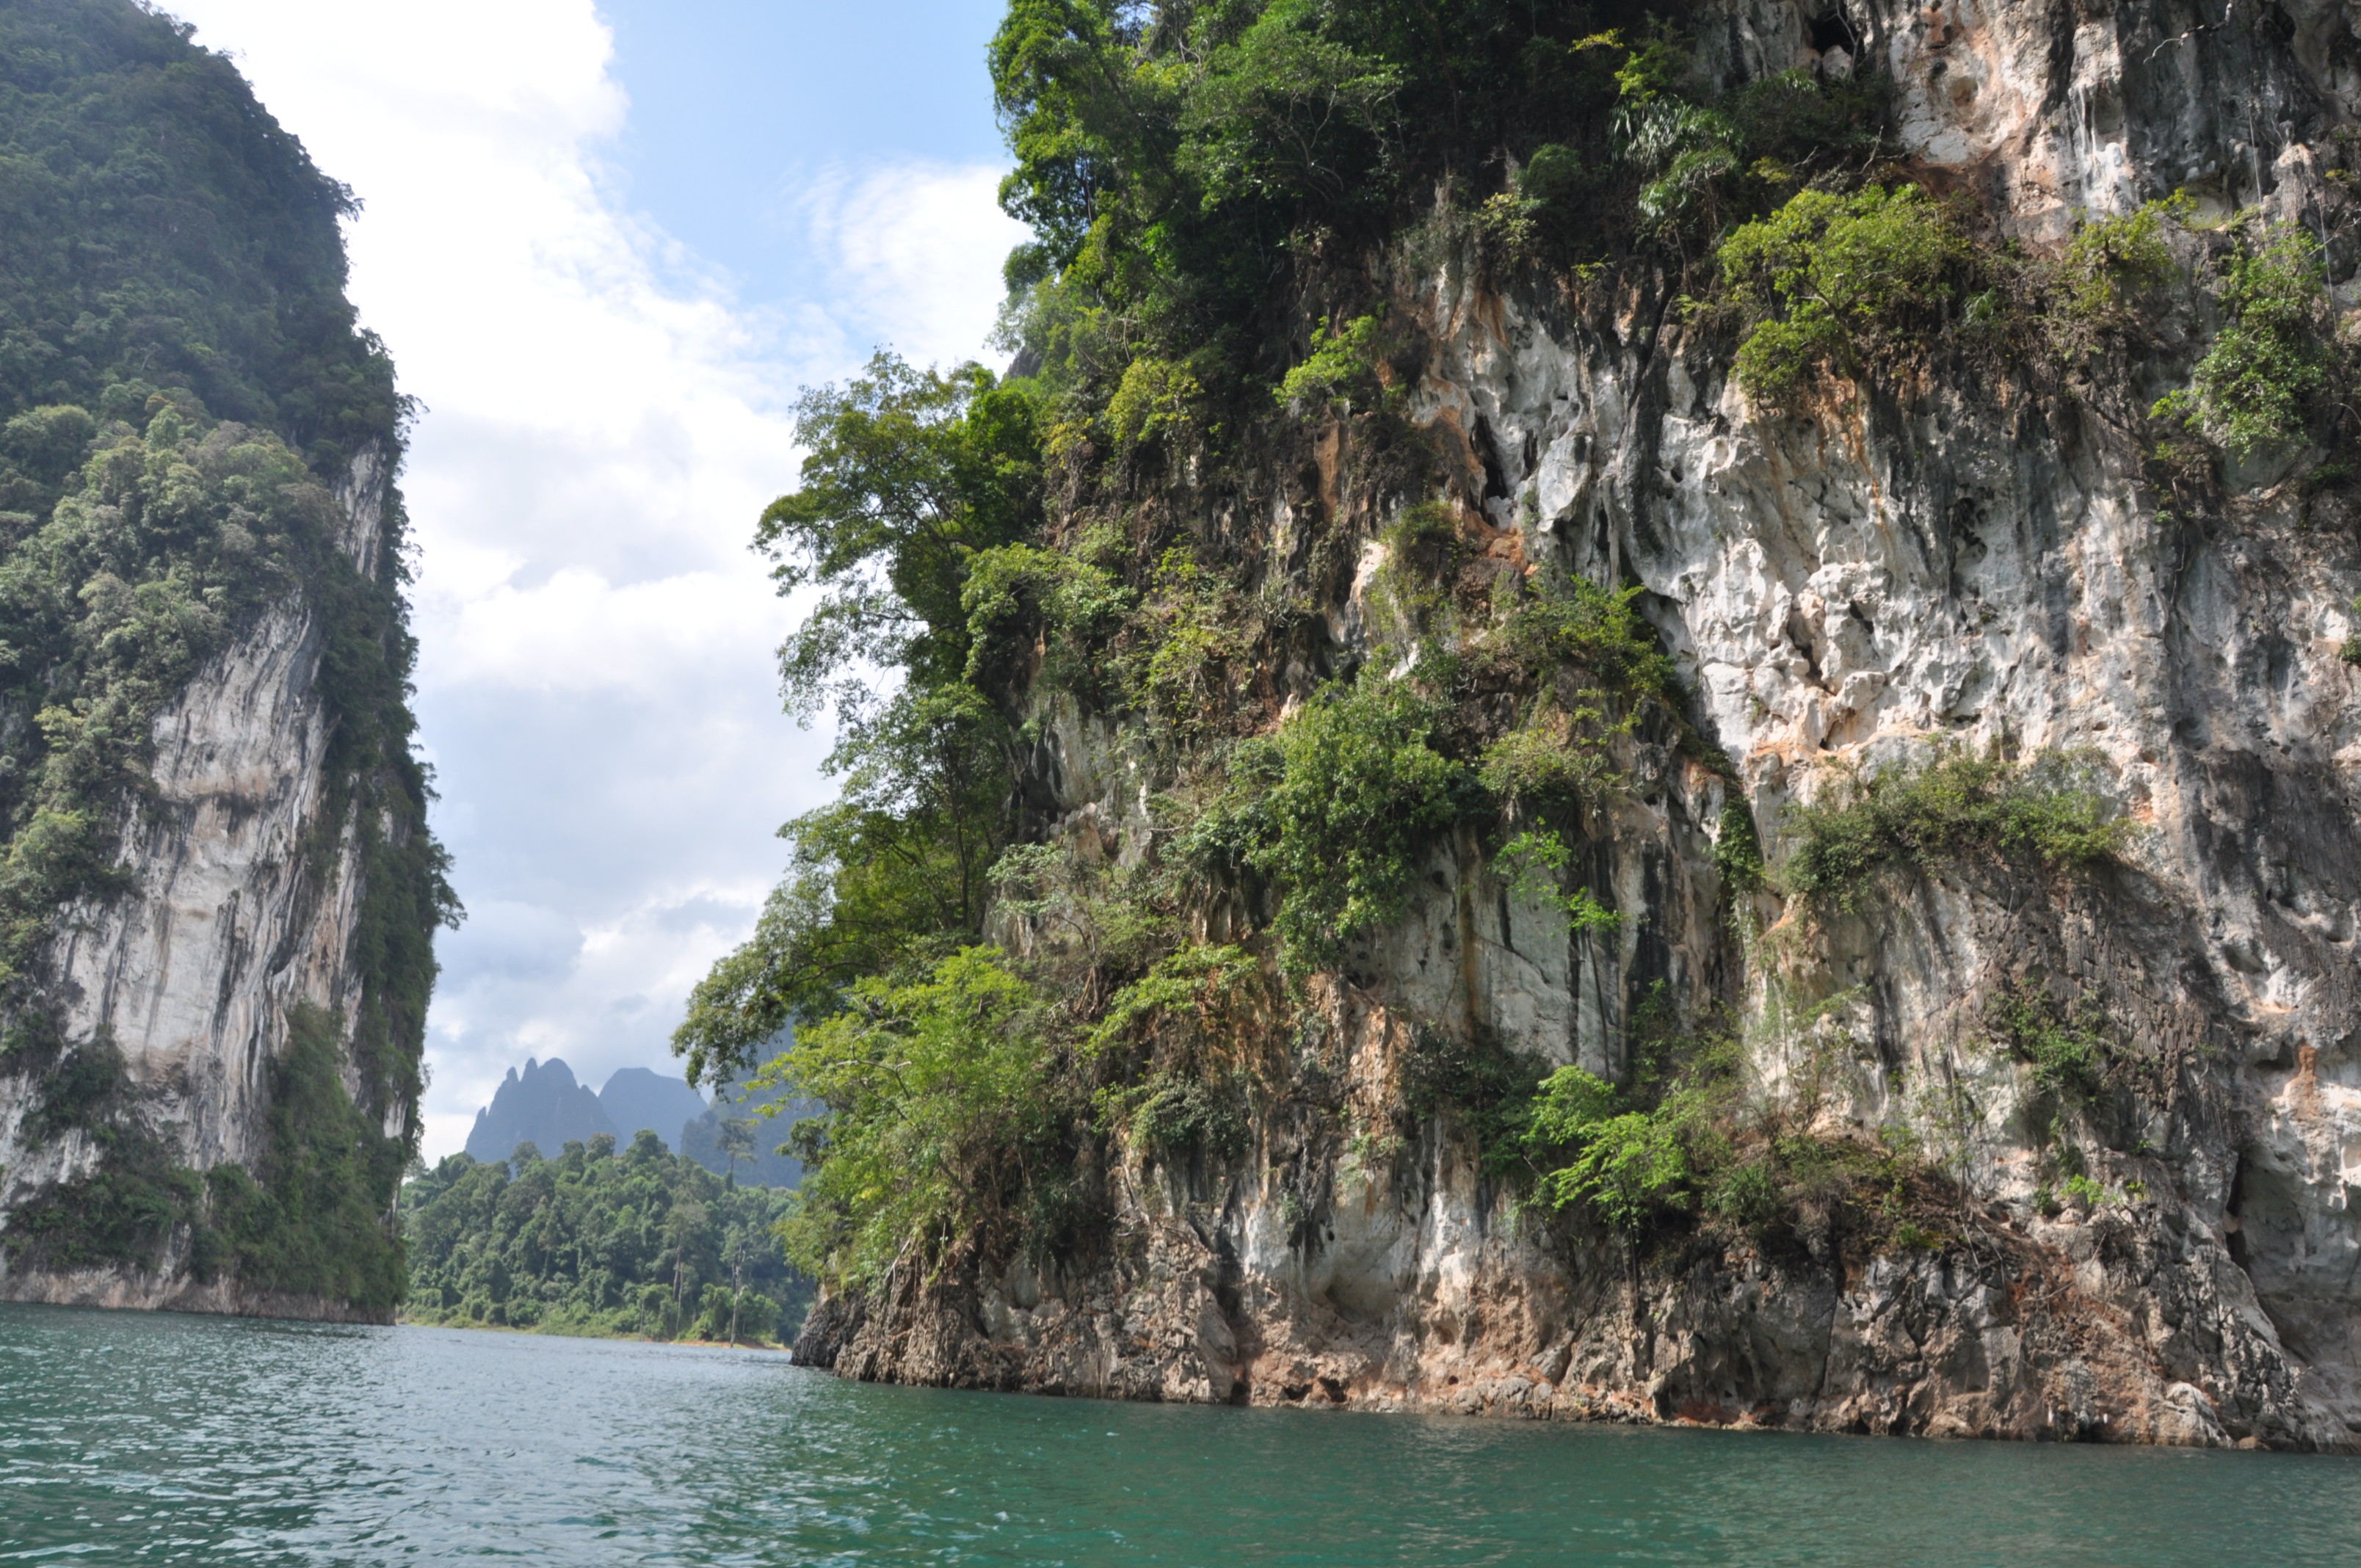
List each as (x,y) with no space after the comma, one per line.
(606,245)
(733,104)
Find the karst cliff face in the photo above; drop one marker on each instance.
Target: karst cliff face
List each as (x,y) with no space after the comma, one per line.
(232,919)
(1844,584)
(217,888)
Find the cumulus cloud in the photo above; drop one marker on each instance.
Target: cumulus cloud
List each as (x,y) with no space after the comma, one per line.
(604,419)
(885,235)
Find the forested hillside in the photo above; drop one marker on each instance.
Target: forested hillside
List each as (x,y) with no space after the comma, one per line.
(196,451)
(1586,672)
(630,1242)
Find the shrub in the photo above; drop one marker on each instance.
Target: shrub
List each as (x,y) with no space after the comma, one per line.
(1598,630)
(1959,805)
(1015,594)
(1198,981)
(1342,374)
(1737,847)
(2087,1191)
(1188,620)
(79,1091)
(1746,1196)
(2067,1049)
(1628,1165)
(1841,285)
(1534,865)
(1635,1157)
(940,1101)
(1483,1085)
(1153,401)
(1548,760)
(1358,797)
(1175,1112)
(1561,753)
(1423,552)
(1629,1169)
(2255,389)
(122,1214)
(2111,259)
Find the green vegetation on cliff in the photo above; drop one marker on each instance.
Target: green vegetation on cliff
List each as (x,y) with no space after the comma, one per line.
(182,392)
(157,229)
(600,1241)
(1198,542)
(315,1224)
(2047,811)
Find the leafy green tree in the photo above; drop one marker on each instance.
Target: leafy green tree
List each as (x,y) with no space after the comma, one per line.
(936,1114)
(1357,798)
(2256,386)
(1842,284)
(913,477)
(909,474)
(737,1144)
(893,871)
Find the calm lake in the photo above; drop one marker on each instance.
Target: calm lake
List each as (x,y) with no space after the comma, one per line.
(129,1437)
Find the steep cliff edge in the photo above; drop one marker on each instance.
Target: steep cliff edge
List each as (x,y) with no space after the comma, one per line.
(1925,1004)
(219,888)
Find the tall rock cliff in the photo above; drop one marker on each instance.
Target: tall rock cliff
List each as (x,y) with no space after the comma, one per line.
(1742,810)
(219,887)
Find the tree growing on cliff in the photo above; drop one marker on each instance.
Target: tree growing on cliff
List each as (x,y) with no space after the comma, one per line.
(2261,380)
(997,1002)
(910,475)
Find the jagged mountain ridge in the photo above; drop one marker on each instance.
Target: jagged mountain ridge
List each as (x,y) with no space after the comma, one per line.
(542,1104)
(637,1097)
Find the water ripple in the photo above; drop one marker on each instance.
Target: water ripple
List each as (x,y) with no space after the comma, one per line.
(136,1438)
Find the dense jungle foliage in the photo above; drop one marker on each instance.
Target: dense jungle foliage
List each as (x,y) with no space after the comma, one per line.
(1231,203)
(182,387)
(158,229)
(600,1241)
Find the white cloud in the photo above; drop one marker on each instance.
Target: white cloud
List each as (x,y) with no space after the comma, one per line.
(887,232)
(604,422)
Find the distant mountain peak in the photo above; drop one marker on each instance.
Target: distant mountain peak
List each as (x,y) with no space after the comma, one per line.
(638,1097)
(544,1106)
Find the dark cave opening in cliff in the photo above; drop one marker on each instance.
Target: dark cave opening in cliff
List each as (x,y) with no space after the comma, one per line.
(1832,28)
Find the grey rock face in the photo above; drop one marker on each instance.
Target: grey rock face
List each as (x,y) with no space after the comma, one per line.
(637,1097)
(1856,586)
(227,927)
(701,1139)
(543,1106)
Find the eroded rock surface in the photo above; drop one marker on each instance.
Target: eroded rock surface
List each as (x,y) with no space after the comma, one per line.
(243,900)
(1852,585)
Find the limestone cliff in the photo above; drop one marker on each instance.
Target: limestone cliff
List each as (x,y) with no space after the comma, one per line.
(1847,583)
(219,885)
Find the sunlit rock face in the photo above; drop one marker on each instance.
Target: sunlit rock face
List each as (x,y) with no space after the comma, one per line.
(1847,584)
(242,902)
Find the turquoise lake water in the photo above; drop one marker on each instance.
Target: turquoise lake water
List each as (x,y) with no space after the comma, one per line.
(136,1438)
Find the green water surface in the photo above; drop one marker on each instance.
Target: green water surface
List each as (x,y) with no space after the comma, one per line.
(134,1438)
